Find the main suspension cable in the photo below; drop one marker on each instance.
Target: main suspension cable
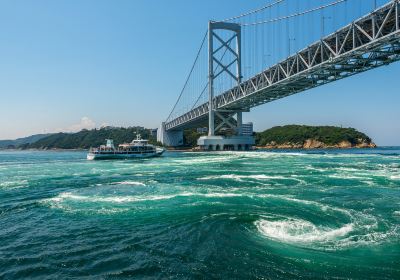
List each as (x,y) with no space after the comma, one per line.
(190,73)
(254,11)
(296,14)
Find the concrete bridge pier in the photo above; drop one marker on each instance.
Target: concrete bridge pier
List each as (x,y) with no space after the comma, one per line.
(170,138)
(221,143)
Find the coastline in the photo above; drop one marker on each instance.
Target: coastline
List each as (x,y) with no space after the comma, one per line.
(44,150)
(312,148)
(315,144)
(197,150)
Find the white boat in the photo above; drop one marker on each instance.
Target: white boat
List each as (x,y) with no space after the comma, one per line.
(138,148)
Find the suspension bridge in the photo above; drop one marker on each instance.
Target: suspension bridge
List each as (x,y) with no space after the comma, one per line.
(283,48)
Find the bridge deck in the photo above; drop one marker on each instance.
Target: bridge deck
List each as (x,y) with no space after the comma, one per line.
(367,43)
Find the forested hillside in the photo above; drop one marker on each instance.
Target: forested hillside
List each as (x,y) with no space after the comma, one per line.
(303,136)
(12,144)
(91,138)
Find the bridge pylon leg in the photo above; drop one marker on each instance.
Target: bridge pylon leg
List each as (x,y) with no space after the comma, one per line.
(225,117)
(170,138)
(239,123)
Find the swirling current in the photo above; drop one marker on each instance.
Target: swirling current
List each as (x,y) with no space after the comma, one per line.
(224,215)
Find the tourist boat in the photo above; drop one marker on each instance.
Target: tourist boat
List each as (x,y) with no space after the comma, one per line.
(138,148)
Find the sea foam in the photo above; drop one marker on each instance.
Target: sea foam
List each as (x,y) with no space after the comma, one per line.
(67,196)
(300,231)
(133,183)
(241,177)
(14,184)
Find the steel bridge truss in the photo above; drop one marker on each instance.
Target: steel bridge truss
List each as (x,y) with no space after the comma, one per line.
(369,42)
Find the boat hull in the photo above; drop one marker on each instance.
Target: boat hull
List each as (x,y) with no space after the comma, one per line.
(116,155)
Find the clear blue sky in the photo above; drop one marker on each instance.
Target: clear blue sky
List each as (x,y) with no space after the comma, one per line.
(124,63)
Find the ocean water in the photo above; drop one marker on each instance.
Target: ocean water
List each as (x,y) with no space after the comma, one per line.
(228,215)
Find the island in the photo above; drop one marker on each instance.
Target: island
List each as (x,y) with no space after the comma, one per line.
(312,137)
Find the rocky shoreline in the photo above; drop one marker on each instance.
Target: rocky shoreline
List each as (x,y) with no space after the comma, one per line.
(315,144)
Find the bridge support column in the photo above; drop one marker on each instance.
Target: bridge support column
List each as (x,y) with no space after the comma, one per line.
(211,127)
(239,122)
(170,138)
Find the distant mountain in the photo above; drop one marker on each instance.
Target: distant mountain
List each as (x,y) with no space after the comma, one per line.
(312,137)
(10,144)
(91,138)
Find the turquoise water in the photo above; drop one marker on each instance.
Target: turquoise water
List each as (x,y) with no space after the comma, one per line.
(249,215)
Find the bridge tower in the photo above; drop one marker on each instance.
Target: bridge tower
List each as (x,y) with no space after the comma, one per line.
(225,69)
(225,118)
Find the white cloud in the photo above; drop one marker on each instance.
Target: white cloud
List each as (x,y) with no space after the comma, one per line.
(104,125)
(85,123)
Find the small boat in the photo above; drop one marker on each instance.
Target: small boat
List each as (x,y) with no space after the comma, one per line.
(138,148)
